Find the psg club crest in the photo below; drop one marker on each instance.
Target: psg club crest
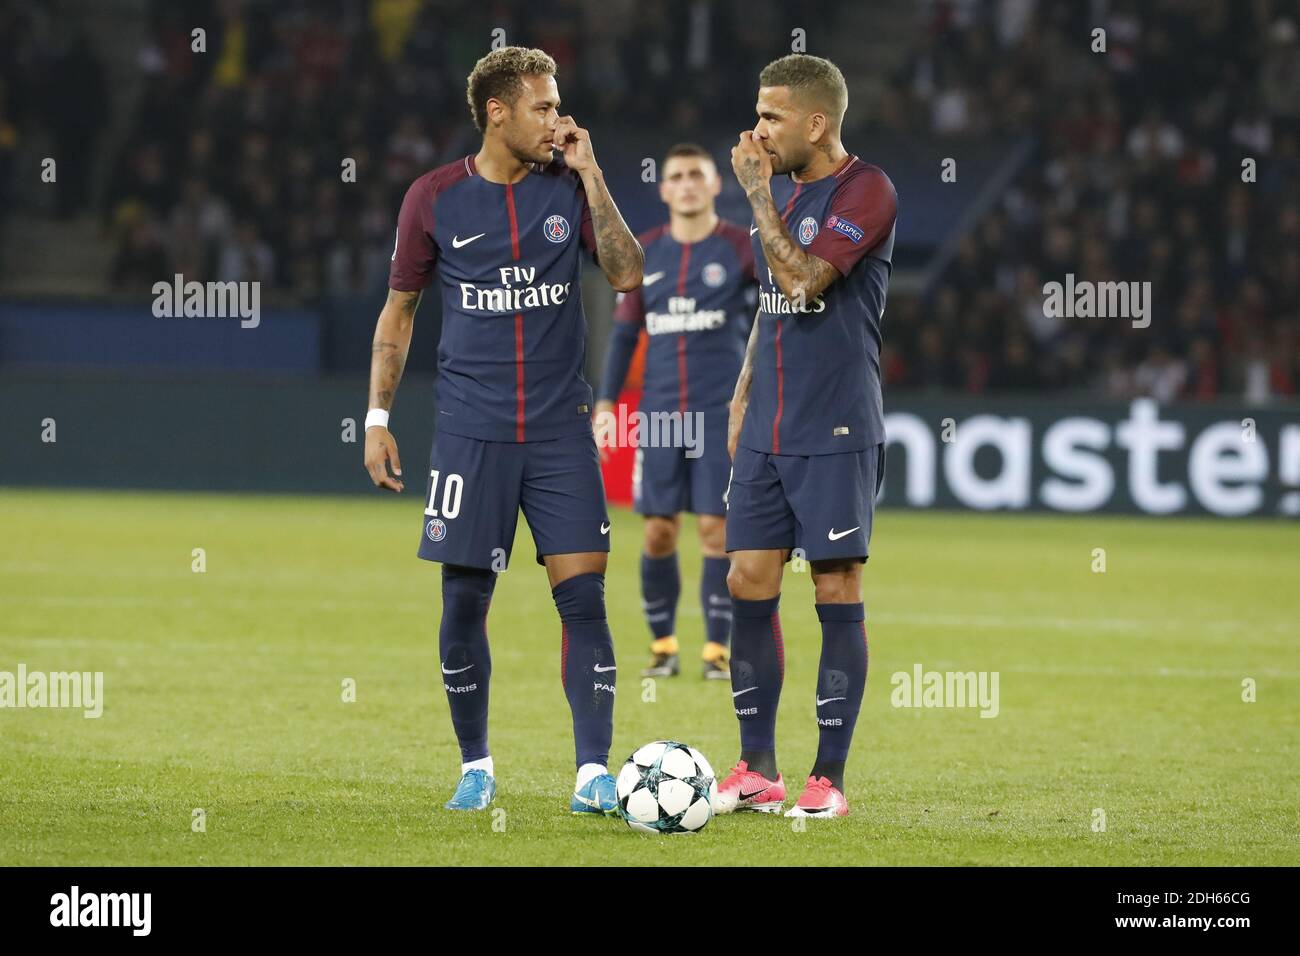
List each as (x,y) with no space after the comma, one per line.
(435,529)
(837,684)
(807,230)
(557,228)
(714,275)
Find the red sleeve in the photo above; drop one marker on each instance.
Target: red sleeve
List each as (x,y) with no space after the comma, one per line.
(747,261)
(860,218)
(414,253)
(630,308)
(745,252)
(740,241)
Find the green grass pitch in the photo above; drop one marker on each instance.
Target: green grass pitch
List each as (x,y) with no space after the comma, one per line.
(1119,691)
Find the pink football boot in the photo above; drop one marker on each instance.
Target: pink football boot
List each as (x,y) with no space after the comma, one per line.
(746,789)
(819,799)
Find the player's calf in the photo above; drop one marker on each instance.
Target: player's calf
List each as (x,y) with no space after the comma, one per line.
(661,587)
(466,664)
(715,603)
(588,672)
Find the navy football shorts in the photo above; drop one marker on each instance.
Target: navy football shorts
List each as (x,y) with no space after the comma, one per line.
(821,504)
(476,488)
(665,481)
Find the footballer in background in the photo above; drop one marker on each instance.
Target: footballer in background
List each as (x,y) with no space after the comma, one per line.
(505,229)
(695,305)
(807,424)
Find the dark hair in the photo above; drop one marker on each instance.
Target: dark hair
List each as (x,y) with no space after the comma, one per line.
(688,149)
(499,75)
(817,82)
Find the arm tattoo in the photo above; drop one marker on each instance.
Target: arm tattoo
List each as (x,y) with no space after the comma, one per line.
(391,342)
(406,301)
(795,271)
(386,365)
(621,257)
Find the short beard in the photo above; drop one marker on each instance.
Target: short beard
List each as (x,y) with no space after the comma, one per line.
(525,157)
(788,166)
(521,153)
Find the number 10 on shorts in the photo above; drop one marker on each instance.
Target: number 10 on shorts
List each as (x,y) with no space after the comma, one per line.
(451,492)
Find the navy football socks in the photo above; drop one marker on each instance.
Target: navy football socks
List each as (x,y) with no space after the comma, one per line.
(466,661)
(757,672)
(661,586)
(587,664)
(841,680)
(715,600)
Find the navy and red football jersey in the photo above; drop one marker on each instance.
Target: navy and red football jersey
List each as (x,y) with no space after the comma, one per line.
(508,259)
(816,386)
(696,306)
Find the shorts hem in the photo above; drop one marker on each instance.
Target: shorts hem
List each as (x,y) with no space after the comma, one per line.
(478,565)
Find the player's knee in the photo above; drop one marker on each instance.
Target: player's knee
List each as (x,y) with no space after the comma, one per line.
(466,592)
(738,582)
(749,582)
(838,583)
(713,535)
(580,598)
(660,537)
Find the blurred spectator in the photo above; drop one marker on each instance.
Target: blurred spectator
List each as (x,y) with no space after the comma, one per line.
(1138,177)
(234,163)
(246,257)
(75,107)
(259,128)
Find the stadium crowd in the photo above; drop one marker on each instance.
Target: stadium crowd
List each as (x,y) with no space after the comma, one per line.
(233,166)
(1137,176)
(235,170)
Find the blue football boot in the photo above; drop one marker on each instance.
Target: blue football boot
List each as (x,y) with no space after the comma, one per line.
(596,796)
(474,792)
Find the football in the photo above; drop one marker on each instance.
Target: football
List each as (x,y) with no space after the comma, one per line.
(666,787)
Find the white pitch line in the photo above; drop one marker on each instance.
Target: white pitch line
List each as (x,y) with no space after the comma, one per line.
(1070,623)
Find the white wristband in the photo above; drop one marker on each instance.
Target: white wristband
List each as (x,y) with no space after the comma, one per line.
(376,416)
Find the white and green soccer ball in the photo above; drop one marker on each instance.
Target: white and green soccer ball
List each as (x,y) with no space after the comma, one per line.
(666,787)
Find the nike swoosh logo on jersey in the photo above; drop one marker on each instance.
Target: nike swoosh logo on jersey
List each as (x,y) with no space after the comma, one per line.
(457,242)
(828,700)
(459,670)
(753,229)
(737,693)
(601,670)
(652,278)
(834,535)
(604,529)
